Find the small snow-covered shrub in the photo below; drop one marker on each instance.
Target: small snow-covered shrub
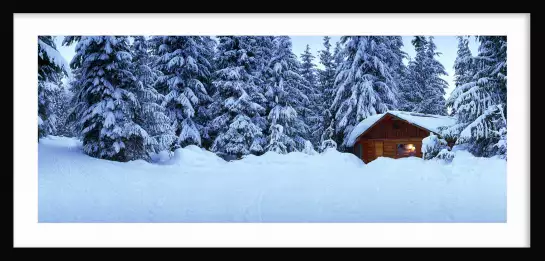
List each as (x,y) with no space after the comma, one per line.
(445,155)
(278,140)
(161,156)
(501,145)
(432,145)
(164,155)
(328,144)
(309,149)
(192,155)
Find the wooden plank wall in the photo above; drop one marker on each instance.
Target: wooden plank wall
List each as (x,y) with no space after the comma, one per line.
(368,147)
(390,149)
(392,128)
(379,148)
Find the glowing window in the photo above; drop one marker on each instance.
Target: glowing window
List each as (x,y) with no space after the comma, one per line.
(406,150)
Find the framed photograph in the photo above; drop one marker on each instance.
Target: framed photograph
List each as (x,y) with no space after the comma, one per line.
(354,130)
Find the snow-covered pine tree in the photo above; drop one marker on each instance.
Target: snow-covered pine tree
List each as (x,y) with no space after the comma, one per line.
(336,136)
(286,95)
(61,107)
(365,83)
(463,72)
(312,111)
(327,141)
(412,91)
(326,80)
(184,62)
(73,87)
(408,90)
(262,47)
(51,68)
(399,69)
(481,103)
(234,101)
(105,100)
(338,55)
(426,87)
(308,68)
(434,102)
(279,142)
(203,115)
(326,77)
(151,114)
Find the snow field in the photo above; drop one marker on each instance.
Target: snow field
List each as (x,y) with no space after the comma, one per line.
(194,185)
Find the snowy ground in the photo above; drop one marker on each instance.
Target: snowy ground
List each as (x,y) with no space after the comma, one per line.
(197,186)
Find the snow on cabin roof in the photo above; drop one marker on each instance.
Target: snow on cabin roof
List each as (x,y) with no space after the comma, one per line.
(361,128)
(427,121)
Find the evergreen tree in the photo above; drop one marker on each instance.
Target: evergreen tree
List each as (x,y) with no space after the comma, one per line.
(326,138)
(326,79)
(286,96)
(311,112)
(408,90)
(463,72)
(262,48)
(462,65)
(425,88)
(434,103)
(235,132)
(308,68)
(481,103)
(73,87)
(338,55)
(413,87)
(203,114)
(106,103)
(365,82)
(399,70)
(51,68)
(333,134)
(184,62)
(151,114)
(61,108)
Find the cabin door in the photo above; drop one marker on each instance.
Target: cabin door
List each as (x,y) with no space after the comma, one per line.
(379,148)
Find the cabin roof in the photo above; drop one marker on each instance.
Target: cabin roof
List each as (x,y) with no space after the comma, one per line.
(429,122)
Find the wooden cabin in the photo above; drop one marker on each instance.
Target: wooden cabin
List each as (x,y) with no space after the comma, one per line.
(394,134)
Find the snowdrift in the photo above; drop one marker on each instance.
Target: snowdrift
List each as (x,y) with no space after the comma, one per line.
(301,159)
(195,185)
(195,157)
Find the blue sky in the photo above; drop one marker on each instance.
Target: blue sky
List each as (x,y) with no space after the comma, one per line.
(447,45)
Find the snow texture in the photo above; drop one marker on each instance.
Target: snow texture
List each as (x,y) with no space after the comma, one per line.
(427,121)
(197,186)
